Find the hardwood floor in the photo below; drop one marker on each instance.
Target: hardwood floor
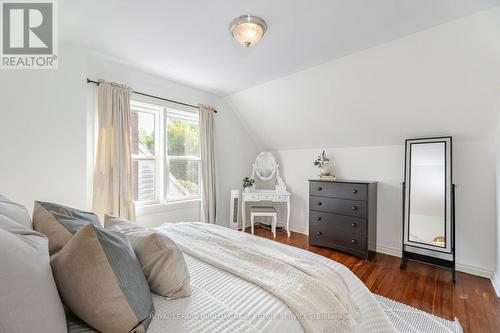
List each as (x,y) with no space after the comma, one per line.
(472,299)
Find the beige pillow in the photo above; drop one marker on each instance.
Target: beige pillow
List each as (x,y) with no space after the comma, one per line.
(161,259)
(59,223)
(101,281)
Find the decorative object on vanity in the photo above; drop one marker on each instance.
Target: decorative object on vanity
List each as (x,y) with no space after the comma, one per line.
(248,29)
(248,184)
(429,203)
(323,164)
(343,215)
(266,169)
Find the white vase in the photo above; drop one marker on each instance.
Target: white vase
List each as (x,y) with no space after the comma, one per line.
(248,189)
(324,170)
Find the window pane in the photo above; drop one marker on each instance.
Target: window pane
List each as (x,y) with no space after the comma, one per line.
(184,179)
(143,133)
(183,137)
(144,179)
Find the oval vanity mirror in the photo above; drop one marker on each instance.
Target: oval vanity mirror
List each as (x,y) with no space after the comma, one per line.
(265,166)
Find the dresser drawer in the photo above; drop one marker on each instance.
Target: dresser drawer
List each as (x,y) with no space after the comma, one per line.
(250,196)
(338,206)
(344,223)
(266,197)
(339,190)
(280,198)
(338,233)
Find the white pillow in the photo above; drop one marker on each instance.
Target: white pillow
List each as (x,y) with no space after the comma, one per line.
(161,259)
(13,212)
(29,300)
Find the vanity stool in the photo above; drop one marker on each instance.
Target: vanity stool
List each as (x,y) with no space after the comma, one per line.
(264,212)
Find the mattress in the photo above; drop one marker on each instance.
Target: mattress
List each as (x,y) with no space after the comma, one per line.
(222,302)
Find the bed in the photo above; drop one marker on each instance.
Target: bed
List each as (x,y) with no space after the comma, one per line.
(224,302)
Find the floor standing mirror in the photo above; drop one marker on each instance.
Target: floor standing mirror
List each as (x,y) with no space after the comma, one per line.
(428,203)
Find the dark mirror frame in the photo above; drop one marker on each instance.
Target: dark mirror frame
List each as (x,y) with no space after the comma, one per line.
(435,255)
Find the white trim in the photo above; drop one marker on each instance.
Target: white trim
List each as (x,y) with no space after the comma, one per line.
(165,207)
(495,281)
(162,113)
(392,251)
(474,270)
(299,229)
(395,252)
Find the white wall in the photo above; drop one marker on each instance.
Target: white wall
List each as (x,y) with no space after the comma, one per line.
(440,81)
(45,141)
(43,133)
(474,174)
(235,149)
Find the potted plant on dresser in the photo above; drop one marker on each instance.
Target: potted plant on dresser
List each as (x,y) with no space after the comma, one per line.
(323,164)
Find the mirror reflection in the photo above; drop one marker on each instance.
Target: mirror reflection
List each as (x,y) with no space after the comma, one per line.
(427,206)
(265,165)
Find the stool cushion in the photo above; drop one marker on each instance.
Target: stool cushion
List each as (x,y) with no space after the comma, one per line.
(263,209)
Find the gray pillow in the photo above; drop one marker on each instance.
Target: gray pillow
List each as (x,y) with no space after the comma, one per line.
(29,300)
(13,212)
(100,281)
(59,223)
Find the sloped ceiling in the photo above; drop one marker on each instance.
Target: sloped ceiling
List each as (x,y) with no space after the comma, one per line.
(189,41)
(441,81)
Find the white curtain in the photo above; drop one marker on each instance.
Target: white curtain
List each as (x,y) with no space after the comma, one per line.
(112,190)
(207,163)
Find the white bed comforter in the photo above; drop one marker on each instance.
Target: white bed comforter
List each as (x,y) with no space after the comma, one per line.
(224,302)
(316,294)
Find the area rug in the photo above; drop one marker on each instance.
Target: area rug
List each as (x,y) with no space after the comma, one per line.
(410,320)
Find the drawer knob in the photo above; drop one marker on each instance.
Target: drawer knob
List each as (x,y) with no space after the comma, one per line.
(319,203)
(354,207)
(354,225)
(320,188)
(318,233)
(354,191)
(354,241)
(318,218)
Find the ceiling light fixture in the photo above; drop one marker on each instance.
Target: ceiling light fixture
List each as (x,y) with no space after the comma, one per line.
(248,29)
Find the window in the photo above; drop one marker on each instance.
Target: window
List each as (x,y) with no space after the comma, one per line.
(165,153)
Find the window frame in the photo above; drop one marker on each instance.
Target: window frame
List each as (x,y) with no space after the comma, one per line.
(162,167)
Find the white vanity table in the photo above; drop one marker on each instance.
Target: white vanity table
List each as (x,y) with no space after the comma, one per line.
(266,195)
(266,168)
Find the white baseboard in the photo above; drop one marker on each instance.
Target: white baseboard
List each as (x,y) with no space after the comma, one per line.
(299,229)
(392,251)
(474,270)
(495,281)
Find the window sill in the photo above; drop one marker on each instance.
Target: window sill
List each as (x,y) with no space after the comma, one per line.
(156,208)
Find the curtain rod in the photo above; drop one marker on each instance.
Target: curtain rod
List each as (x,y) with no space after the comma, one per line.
(160,98)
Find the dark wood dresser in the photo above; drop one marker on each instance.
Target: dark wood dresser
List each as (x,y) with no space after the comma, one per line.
(343,215)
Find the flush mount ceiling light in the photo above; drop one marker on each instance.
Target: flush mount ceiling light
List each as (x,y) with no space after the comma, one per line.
(248,29)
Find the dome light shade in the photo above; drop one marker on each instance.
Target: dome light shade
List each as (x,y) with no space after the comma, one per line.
(247,29)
